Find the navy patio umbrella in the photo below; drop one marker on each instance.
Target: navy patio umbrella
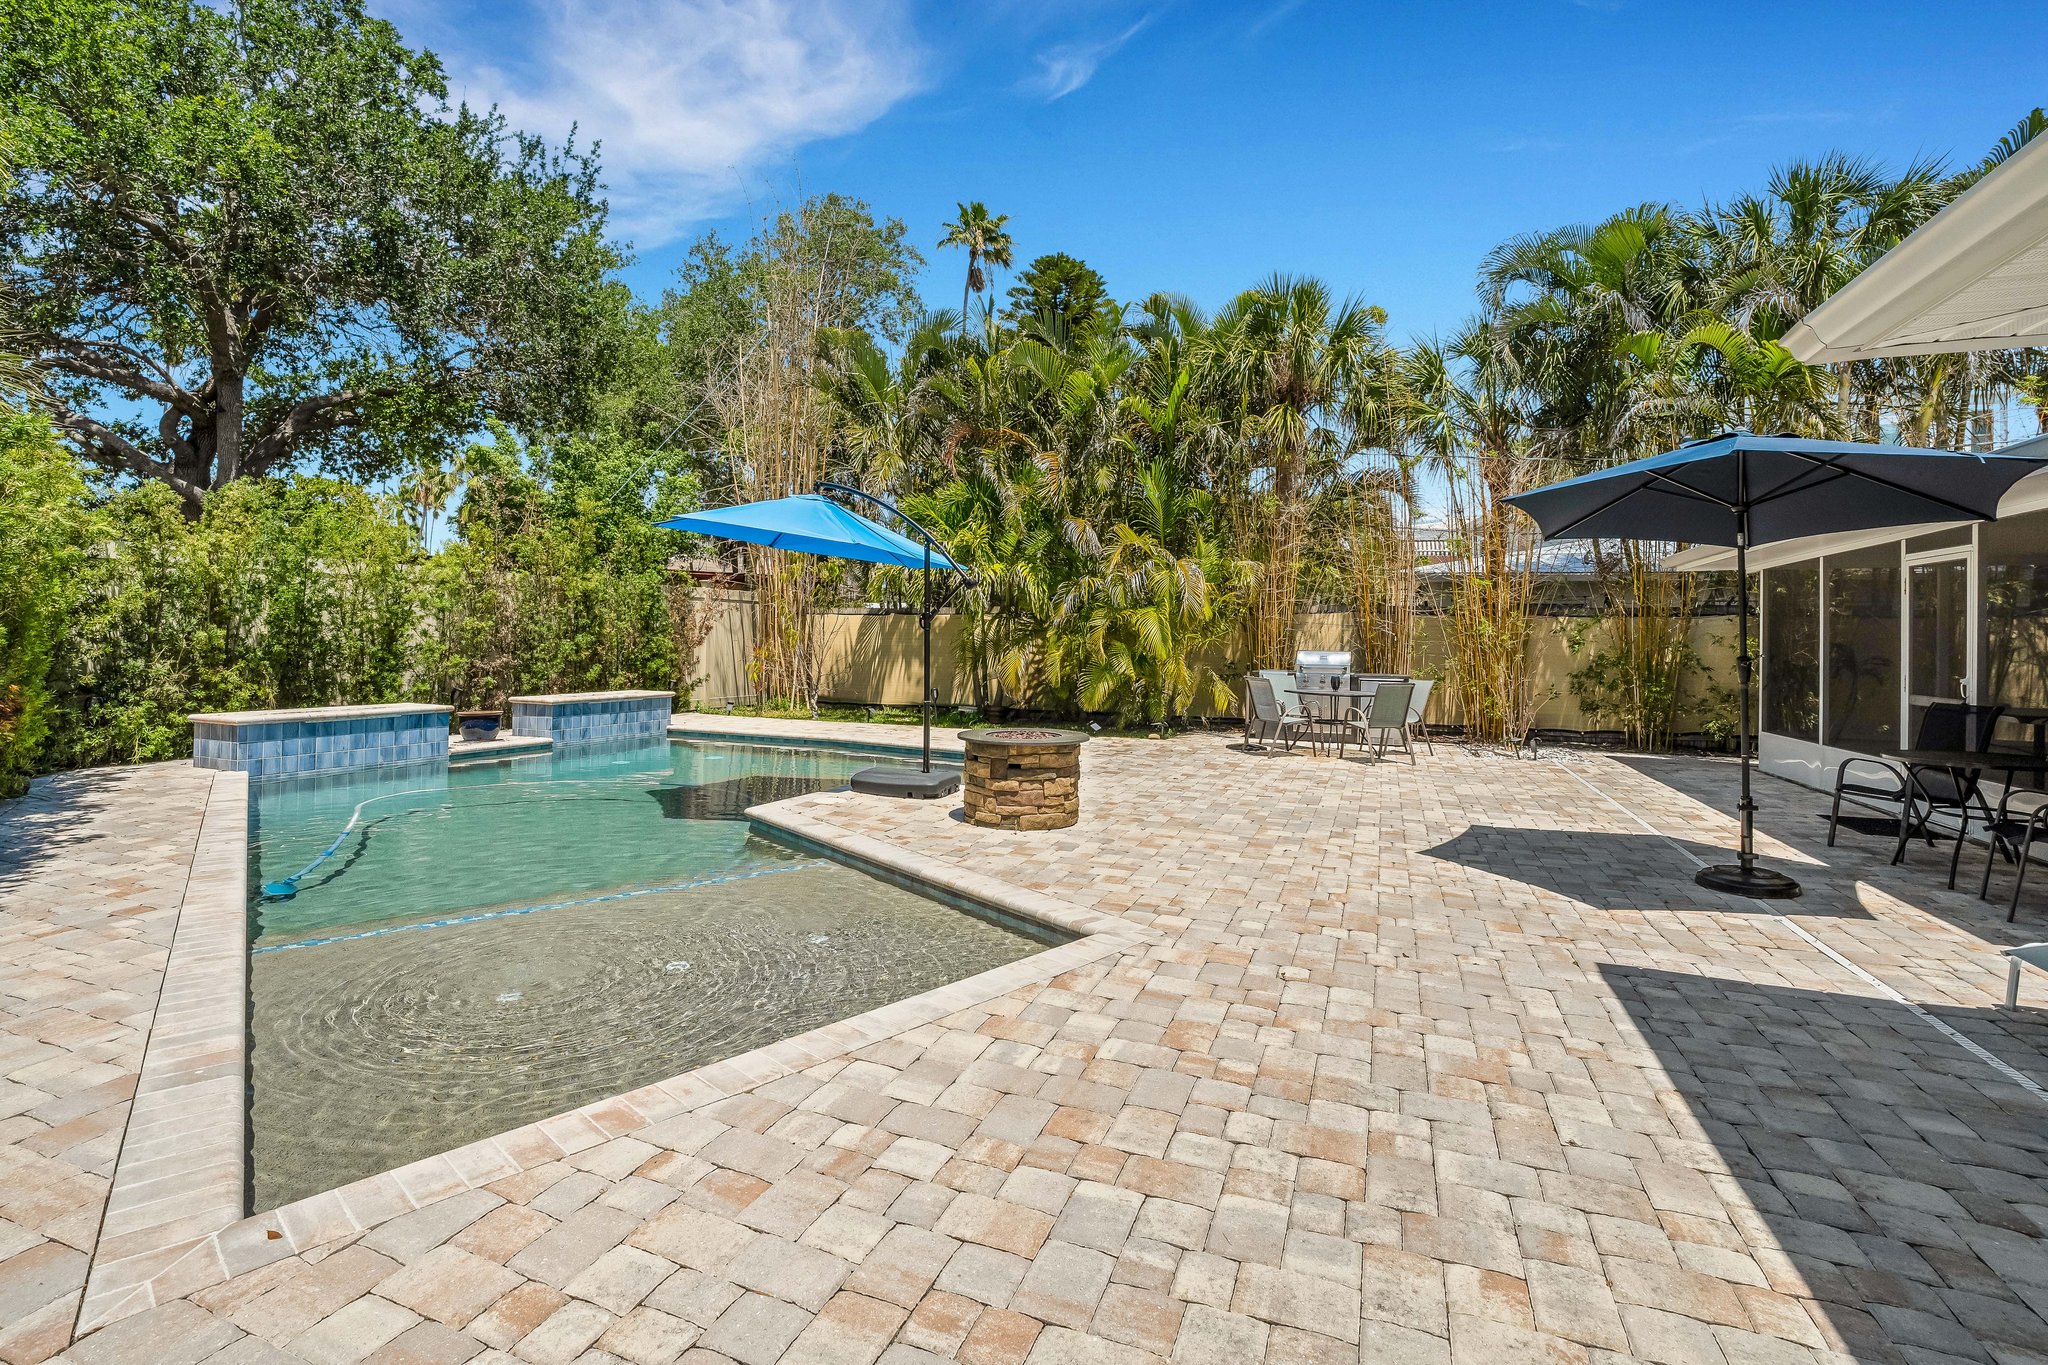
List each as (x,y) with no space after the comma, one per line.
(811,523)
(1742,489)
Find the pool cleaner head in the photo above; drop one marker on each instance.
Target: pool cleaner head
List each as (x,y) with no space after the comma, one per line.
(281,891)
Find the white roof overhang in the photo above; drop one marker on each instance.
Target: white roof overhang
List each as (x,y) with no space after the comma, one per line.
(1972,278)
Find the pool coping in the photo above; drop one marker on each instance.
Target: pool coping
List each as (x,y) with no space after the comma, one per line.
(500,750)
(693,725)
(182,1169)
(197,1080)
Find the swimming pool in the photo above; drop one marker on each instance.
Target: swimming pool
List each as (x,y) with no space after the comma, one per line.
(488,945)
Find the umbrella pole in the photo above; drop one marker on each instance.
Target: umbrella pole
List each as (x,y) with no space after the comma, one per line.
(1745,878)
(925,683)
(1747,666)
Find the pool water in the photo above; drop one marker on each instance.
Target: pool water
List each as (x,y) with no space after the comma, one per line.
(496,943)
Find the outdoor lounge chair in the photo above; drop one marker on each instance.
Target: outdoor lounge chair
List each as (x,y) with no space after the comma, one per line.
(1385,713)
(1944,725)
(1268,715)
(2025,955)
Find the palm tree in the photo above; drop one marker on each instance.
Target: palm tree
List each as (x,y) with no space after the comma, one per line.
(981,232)
(1157,593)
(427,487)
(886,414)
(1566,307)
(20,377)
(1768,259)
(1282,359)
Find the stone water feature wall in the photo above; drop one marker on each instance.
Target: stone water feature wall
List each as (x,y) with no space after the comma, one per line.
(322,739)
(1022,778)
(593,717)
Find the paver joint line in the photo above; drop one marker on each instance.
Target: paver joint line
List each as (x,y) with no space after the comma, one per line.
(2011,1073)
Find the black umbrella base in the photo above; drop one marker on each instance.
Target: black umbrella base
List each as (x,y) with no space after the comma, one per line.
(1759,883)
(914,783)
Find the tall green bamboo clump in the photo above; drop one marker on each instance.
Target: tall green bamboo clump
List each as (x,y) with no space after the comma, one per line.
(811,273)
(1489,603)
(1380,559)
(768,400)
(1639,655)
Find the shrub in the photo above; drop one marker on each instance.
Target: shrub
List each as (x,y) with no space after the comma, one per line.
(42,512)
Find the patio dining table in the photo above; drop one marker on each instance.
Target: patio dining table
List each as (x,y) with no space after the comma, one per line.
(1328,727)
(1963,763)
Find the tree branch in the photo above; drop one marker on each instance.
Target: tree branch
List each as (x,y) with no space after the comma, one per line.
(310,417)
(173,439)
(92,362)
(107,447)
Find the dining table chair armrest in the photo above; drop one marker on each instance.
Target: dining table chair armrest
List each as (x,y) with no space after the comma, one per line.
(1896,771)
(2034,809)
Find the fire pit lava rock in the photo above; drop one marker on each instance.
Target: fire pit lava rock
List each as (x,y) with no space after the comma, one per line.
(1022,777)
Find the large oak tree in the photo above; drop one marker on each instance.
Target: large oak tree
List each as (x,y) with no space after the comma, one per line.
(238,237)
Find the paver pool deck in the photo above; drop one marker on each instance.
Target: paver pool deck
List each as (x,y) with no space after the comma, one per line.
(1443,1063)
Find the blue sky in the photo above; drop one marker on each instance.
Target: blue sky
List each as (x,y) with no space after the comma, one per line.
(1200,146)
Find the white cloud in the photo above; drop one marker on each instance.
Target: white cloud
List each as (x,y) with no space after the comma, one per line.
(1066,68)
(691,99)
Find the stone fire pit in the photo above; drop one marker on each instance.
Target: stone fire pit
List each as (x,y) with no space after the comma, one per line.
(1022,778)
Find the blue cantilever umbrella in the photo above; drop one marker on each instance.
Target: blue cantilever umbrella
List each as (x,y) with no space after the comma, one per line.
(811,523)
(1741,489)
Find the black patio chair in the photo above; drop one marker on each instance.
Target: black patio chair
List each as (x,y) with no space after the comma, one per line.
(2012,833)
(1944,725)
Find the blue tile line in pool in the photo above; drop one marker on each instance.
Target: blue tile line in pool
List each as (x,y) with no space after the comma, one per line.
(536,909)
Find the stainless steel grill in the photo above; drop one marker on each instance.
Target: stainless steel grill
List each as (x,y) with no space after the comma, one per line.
(1314,668)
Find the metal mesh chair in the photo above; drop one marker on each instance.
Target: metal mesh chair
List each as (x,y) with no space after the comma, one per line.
(1416,729)
(1269,714)
(1285,690)
(1944,725)
(1385,713)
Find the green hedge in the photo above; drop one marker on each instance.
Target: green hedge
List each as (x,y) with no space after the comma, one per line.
(121,616)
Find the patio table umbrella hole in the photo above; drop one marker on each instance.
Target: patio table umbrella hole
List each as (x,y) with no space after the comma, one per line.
(811,523)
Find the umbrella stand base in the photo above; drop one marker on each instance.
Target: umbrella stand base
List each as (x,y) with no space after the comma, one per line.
(911,782)
(1759,883)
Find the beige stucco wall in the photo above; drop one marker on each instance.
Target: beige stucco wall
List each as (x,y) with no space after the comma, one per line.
(872,658)
(1551,665)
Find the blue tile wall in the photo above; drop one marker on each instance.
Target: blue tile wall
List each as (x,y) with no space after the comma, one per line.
(293,747)
(593,722)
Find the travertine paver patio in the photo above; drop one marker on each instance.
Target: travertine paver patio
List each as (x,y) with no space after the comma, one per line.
(1445,1063)
(92,870)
